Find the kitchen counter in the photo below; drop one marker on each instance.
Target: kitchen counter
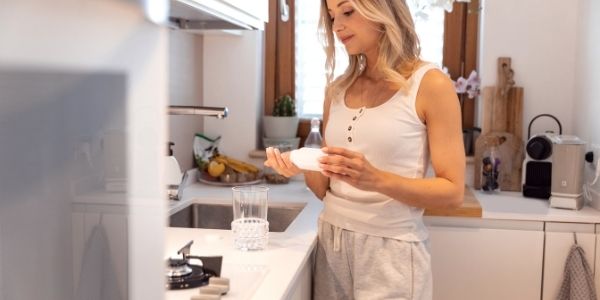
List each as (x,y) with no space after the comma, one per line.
(270,274)
(266,274)
(513,206)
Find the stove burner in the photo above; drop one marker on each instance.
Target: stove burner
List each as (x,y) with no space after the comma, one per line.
(178,267)
(181,274)
(197,277)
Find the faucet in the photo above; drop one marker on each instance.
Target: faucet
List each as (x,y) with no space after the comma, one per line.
(175,191)
(219,112)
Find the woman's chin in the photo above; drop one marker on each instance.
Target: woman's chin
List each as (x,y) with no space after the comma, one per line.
(352,51)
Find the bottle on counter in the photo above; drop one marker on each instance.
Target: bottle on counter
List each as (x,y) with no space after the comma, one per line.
(490,166)
(314,139)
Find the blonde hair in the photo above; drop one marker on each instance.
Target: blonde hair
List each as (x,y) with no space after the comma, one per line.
(399,48)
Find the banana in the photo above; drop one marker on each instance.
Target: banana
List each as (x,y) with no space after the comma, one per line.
(237,165)
(242,164)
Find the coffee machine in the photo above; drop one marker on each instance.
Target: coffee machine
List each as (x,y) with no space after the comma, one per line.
(537,166)
(568,155)
(553,167)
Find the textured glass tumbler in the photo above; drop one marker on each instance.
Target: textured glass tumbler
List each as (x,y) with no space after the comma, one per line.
(250,226)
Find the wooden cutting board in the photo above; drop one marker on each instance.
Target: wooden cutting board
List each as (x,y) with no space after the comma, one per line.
(502,116)
(502,105)
(470,208)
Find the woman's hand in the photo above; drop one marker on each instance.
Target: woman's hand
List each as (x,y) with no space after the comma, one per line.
(351,167)
(280,162)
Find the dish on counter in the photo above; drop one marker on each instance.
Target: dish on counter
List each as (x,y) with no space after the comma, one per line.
(205,178)
(292,143)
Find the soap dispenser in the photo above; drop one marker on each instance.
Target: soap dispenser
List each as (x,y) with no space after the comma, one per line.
(173,171)
(314,139)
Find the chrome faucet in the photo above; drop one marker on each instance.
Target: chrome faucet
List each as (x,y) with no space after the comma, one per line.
(175,191)
(219,112)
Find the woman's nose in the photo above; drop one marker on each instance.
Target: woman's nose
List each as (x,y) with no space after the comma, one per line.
(337,25)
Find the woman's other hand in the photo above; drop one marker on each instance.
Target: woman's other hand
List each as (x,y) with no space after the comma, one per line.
(351,167)
(280,162)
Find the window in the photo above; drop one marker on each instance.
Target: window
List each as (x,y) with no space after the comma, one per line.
(310,57)
(456,40)
(310,60)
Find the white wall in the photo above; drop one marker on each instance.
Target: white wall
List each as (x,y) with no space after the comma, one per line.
(185,88)
(586,113)
(587,107)
(233,77)
(541,38)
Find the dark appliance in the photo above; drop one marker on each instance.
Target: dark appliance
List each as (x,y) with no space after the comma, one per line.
(182,274)
(537,166)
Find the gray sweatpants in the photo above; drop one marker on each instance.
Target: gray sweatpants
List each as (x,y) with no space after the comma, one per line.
(351,265)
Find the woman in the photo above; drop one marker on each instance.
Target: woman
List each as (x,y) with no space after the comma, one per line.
(384,119)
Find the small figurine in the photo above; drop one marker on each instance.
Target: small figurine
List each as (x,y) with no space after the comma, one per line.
(489,172)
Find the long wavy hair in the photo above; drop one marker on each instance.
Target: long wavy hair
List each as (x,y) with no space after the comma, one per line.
(399,48)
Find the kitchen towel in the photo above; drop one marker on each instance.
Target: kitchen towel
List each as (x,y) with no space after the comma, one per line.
(97,280)
(578,281)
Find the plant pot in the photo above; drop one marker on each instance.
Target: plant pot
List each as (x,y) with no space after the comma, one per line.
(280,127)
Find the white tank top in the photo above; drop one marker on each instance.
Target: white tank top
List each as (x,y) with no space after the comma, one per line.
(392,138)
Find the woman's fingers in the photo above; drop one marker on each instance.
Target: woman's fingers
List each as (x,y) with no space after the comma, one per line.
(278,157)
(345,178)
(337,160)
(279,163)
(341,151)
(287,161)
(270,162)
(339,169)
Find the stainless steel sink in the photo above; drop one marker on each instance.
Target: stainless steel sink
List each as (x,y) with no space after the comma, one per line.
(219,216)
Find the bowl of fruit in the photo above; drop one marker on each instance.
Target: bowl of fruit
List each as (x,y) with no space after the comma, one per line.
(224,170)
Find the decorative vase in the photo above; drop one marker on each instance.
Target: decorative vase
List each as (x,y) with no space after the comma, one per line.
(280,127)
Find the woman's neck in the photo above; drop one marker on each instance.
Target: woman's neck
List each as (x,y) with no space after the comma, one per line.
(370,72)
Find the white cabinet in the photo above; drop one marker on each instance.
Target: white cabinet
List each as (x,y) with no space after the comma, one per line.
(597,260)
(559,239)
(302,285)
(219,14)
(486,259)
(256,8)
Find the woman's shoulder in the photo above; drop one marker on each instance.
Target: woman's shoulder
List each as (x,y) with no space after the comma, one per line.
(434,80)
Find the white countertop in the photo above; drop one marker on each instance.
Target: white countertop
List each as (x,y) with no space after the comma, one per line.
(265,274)
(513,206)
(269,274)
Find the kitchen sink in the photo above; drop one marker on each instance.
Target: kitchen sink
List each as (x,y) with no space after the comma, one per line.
(219,216)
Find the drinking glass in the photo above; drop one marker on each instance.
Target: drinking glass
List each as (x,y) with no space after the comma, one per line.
(250,226)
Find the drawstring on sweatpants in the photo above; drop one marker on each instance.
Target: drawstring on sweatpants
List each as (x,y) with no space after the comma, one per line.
(337,238)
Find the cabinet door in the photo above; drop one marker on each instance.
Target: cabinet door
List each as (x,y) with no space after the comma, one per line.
(597,262)
(559,239)
(302,285)
(486,259)
(255,8)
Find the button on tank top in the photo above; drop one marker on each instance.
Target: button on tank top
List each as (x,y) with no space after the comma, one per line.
(392,138)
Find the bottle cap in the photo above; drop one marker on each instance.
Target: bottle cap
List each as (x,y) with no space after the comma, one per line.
(315,122)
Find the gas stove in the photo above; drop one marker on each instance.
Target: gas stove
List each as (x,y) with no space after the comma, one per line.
(181,273)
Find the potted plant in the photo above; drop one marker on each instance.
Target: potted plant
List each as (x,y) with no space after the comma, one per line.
(283,124)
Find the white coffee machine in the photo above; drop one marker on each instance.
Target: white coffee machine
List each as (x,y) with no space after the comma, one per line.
(568,155)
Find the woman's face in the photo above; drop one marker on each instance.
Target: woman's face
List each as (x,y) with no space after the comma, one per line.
(358,34)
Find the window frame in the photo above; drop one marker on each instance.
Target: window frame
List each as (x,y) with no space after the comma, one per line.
(460,55)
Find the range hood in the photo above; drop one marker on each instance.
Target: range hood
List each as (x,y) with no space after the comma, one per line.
(210,15)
